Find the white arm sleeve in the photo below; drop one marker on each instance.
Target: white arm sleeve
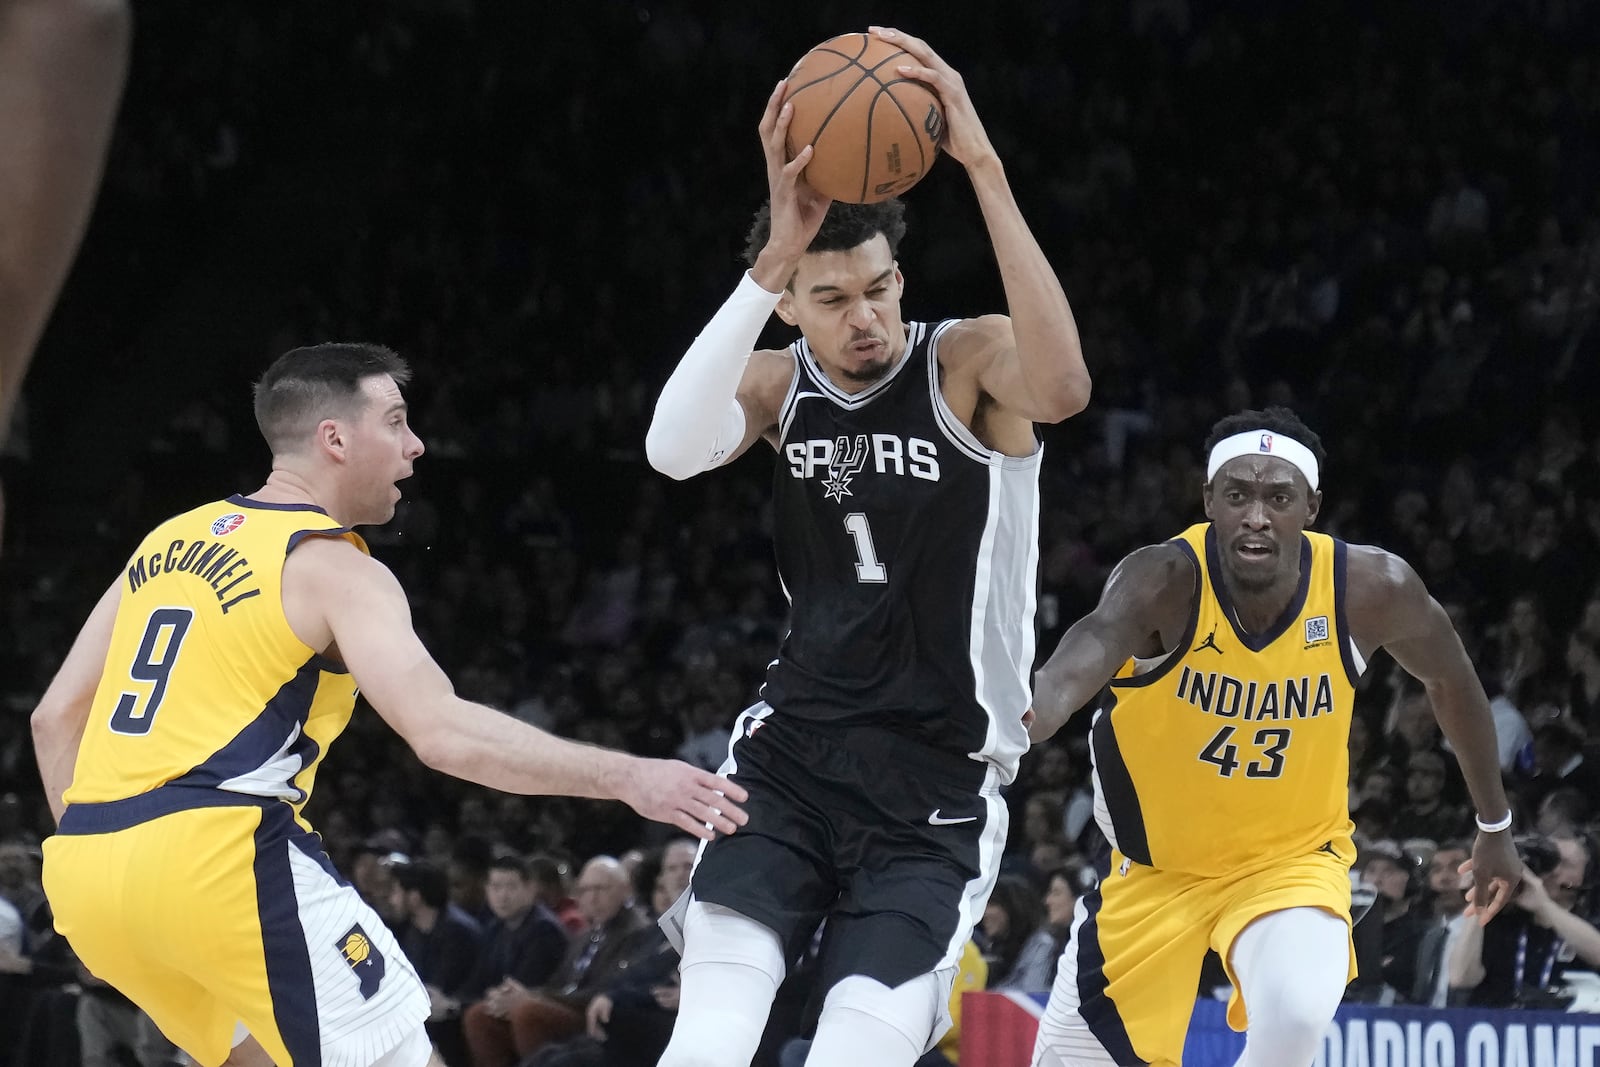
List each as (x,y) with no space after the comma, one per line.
(699,420)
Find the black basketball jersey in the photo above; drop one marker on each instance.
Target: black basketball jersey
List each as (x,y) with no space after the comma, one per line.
(908,551)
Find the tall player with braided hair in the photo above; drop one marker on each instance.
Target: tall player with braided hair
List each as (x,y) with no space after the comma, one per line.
(1231,654)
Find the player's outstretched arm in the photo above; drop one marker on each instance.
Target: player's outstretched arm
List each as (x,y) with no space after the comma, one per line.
(365,615)
(62,64)
(1036,369)
(59,719)
(719,399)
(1388,605)
(1147,593)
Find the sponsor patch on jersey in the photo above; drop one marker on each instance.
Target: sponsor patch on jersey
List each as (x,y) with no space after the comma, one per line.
(226,524)
(1316,630)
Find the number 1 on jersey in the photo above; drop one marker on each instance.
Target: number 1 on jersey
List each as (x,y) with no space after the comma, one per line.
(127,717)
(868,569)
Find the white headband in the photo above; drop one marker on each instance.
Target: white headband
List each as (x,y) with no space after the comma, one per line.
(1263,443)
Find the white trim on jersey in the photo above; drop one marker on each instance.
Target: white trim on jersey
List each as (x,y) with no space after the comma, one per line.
(1102,814)
(274,777)
(954,430)
(991,843)
(851,401)
(791,397)
(1001,637)
(1357,658)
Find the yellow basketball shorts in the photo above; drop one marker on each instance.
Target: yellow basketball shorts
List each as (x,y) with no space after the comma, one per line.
(1128,979)
(230,914)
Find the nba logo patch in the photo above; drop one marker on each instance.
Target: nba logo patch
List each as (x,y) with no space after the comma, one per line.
(363,958)
(1266,442)
(1316,630)
(226,524)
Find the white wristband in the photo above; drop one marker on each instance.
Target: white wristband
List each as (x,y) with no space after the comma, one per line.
(698,408)
(1493,827)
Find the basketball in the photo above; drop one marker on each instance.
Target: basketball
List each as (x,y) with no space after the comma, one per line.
(873,133)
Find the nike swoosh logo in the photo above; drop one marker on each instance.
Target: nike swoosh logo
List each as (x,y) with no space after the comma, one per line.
(936,820)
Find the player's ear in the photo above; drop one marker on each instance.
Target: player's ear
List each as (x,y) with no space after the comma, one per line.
(899,282)
(1205,498)
(1314,506)
(785,308)
(330,438)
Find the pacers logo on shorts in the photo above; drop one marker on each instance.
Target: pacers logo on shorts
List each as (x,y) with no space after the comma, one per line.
(364,959)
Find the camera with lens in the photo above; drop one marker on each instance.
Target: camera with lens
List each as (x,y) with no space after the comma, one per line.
(1539,853)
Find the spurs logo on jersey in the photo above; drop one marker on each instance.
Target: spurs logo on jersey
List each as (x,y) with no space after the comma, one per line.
(848,456)
(908,551)
(839,460)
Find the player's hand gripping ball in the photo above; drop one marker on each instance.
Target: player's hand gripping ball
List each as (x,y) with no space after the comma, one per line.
(874,132)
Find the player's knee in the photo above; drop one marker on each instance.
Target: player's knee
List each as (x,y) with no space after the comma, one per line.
(1295,1011)
(718,935)
(913,1008)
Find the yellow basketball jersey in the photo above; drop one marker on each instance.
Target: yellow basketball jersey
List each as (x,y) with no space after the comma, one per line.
(1230,753)
(205,684)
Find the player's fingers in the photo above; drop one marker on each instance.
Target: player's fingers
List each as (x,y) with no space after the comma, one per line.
(1466,866)
(726,788)
(686,822)
(769,117)
(915,45)
(1498,892)
(926,75)
(721,820)
(792,169)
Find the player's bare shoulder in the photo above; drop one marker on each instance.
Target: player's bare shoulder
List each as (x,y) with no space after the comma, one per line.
(969,345)
(766,382)
(1155,585)
(1380,589)
(322,570)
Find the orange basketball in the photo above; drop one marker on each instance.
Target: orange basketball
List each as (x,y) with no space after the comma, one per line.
(873,133)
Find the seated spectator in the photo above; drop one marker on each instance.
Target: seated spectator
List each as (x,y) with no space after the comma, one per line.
(630,1021)
(1563,811)
(372,872)
(1443,899)
(1017,945)
(469,876)
(552,879)
(1060,901)
(1389,872)
(1425,812)
(1517,959)
(441,940)
(524,942)
(1559,761)
(516,1019)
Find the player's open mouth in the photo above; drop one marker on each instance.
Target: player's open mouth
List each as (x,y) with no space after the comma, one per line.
(1254,551)
(866,349)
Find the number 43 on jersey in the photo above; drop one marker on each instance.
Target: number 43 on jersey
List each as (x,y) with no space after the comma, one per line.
(1265,762)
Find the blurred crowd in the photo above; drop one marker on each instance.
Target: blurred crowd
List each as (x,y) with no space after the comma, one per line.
(1383,215)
